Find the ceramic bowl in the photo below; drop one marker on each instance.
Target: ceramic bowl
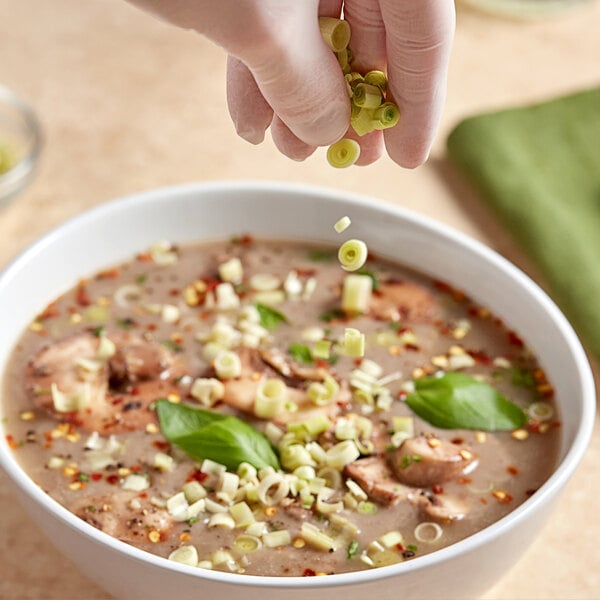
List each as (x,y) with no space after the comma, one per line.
(116,231)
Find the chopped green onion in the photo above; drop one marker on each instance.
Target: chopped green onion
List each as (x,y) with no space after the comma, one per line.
(274,539)
(186,555)
(356,294)
(428,532)
(354,342)
(361,120)
(316,538)
(352,255)
(378,78)
(367,96)
(352,550)
(335,32)
(386,116)
(231,271)
(342,224)
(270,398)
(245,543)
(541,411)
(343,154)
(322,349)
(227,365)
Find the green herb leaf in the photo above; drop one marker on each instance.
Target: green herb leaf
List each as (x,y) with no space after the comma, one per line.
(99,331)
(141,279)
(522,377)
(369,273)
(269,317)
(318,255)
(301,353)
(125,324)
(352,549)
(171,345)
(458,401)
(206,434)
(333,315)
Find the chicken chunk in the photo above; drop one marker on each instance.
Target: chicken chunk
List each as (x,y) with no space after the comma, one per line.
(424,461)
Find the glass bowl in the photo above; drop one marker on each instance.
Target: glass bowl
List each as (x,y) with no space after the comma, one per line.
(20,144)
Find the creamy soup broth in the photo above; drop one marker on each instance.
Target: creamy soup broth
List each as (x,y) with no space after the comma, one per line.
(104,457)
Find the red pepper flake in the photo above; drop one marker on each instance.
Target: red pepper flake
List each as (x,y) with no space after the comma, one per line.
(112,479)
(109,274)
(480,357)
(82,297)
(135,468)
(142,495)
(512,470)
(309,573)
(515,340)
(402,395)
(412,347)
(174,292)
(152,327)
(161,445)
(457,440)
(144,257)
(305,272)
(135,391)
(483,500)
(96,476)
(464,480)
(242,240)
(533,425)
(400,548)
(437,489)
(49,312)
(321,363)
(197,475)
(12,443)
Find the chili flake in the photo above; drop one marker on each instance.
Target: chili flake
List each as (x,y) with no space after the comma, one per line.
(502,496)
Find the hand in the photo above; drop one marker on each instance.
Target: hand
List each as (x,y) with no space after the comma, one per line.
(280,73)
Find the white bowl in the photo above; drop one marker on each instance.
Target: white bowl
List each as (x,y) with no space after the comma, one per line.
(116,231)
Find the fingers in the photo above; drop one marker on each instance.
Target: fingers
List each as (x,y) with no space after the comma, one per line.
(368,34)
(287,143)
(371,146)
(250,112)
(418,38)
(304,84)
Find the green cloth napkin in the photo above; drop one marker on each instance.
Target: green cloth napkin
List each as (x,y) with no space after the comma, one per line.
(539,168)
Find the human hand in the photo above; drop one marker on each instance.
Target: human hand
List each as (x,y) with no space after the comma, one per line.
(280,73)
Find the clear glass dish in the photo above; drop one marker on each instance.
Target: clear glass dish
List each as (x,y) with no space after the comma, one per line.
(20,144)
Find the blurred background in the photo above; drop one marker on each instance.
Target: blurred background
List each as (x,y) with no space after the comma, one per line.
(127,103)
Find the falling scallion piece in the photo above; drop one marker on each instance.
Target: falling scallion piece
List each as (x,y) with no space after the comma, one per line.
(343,154)
(352,255)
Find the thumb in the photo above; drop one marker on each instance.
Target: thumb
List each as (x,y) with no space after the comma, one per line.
(301,79)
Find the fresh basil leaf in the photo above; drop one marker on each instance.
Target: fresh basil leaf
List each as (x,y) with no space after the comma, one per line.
(459,401)
(369,273)
(206,434)
(301,353)
(318,255)
(269,317)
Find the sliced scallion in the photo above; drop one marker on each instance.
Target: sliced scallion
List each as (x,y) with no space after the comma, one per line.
(343,154)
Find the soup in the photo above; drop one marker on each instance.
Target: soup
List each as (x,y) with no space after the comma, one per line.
(212,404)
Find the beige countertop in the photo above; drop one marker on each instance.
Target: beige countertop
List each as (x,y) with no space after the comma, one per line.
(125,106)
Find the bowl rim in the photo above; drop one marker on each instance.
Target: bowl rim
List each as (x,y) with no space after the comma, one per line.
(13,179)
(545,493)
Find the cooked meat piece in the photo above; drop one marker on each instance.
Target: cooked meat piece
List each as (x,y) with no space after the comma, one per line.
(137,359)
(404,300)
(72,366)
(444,508)
(377,480)
(425,461)
(123,515)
